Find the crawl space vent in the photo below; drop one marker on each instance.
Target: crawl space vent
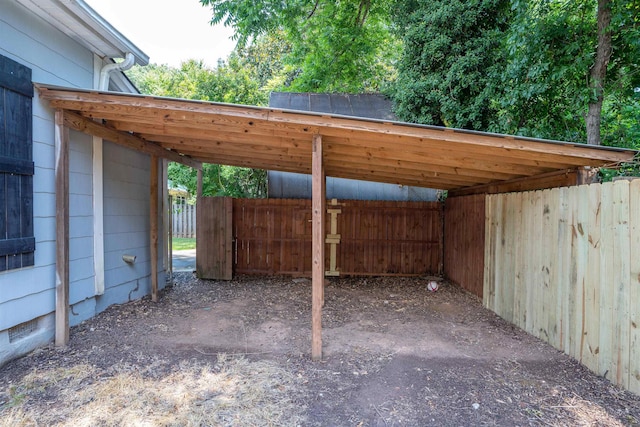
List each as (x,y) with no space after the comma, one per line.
(22,330)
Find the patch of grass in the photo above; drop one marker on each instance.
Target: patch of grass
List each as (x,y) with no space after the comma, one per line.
(183,243)
(233,392)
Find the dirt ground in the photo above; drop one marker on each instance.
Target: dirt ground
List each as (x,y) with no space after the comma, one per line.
(237,353)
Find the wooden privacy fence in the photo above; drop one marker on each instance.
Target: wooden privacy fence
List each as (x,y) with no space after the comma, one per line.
(273,236)
(183,217)
(464,241)
(564,265)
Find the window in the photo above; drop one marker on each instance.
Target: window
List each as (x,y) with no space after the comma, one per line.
(17,242)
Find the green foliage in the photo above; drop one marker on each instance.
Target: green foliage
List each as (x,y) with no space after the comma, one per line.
(221,180)
(333,46)
(517,67)
(551,46)
(229,82)
(232,81)
(450,67)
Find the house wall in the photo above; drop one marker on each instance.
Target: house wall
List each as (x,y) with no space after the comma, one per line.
(28,294)
(563,265)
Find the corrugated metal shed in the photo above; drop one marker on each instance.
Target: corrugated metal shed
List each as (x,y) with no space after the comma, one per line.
(286,185)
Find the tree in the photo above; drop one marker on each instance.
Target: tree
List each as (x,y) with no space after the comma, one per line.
(569,62)
(450,67)
(343,46)
(231,81)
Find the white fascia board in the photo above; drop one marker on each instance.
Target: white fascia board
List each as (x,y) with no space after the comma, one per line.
(79,21)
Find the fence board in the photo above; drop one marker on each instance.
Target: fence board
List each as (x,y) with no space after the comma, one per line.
(519,284)
(574,273)
(606,296)
(464,224)
(566,311)
(183,218)
(273,236)
(581,232)
(621,276)
(634,286)
(551,239)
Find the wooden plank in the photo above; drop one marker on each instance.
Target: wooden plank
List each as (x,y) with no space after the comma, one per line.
(564,259)
(537,301)
(464,245)
(170,236)
(591,343)
(88,126)
(621,275)
(606,314)
(214,255)
(488,289)
(520,256)
(581,231)
(560,178)
(528,269)
(153,226)
(228,237)
(564,269)
(17,245)
(162,117)
(16,166)
(505,263)
(173,111)
(496,255)
(62,229)
(634,286)
(318,268)
(15,77)
(14,217)
(548,253)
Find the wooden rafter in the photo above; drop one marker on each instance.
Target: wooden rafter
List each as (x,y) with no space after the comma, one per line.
(83,124)
(400,153)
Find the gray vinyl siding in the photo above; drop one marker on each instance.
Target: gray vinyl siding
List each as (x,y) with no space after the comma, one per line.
(126,225)
(29,293)
(54,58)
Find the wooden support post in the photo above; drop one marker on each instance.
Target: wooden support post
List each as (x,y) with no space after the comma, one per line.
(62,229)
(170,236)
(164,196)
(586,175)
(318,233)
(153,225)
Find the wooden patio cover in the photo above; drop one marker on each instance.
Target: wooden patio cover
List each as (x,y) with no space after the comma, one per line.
(203,132)
(195,132)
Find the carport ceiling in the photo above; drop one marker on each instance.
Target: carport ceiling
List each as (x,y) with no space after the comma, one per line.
(364,149)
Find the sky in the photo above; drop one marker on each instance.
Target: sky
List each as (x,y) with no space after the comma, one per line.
(169,31)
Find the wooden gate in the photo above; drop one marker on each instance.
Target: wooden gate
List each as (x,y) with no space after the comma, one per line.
(214,245)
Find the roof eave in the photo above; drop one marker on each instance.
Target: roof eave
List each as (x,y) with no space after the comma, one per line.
(79,21)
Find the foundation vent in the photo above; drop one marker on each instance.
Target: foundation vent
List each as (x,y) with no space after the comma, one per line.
(22,330)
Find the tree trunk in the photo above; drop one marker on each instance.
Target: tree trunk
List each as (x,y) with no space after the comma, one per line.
(598,72)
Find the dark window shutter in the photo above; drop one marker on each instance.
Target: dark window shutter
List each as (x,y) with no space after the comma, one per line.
(17,242)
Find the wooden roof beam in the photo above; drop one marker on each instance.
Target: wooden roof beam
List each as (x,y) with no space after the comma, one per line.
(88,126)
(564,178)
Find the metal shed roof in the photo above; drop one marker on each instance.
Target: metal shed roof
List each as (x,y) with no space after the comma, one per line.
(276,139)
